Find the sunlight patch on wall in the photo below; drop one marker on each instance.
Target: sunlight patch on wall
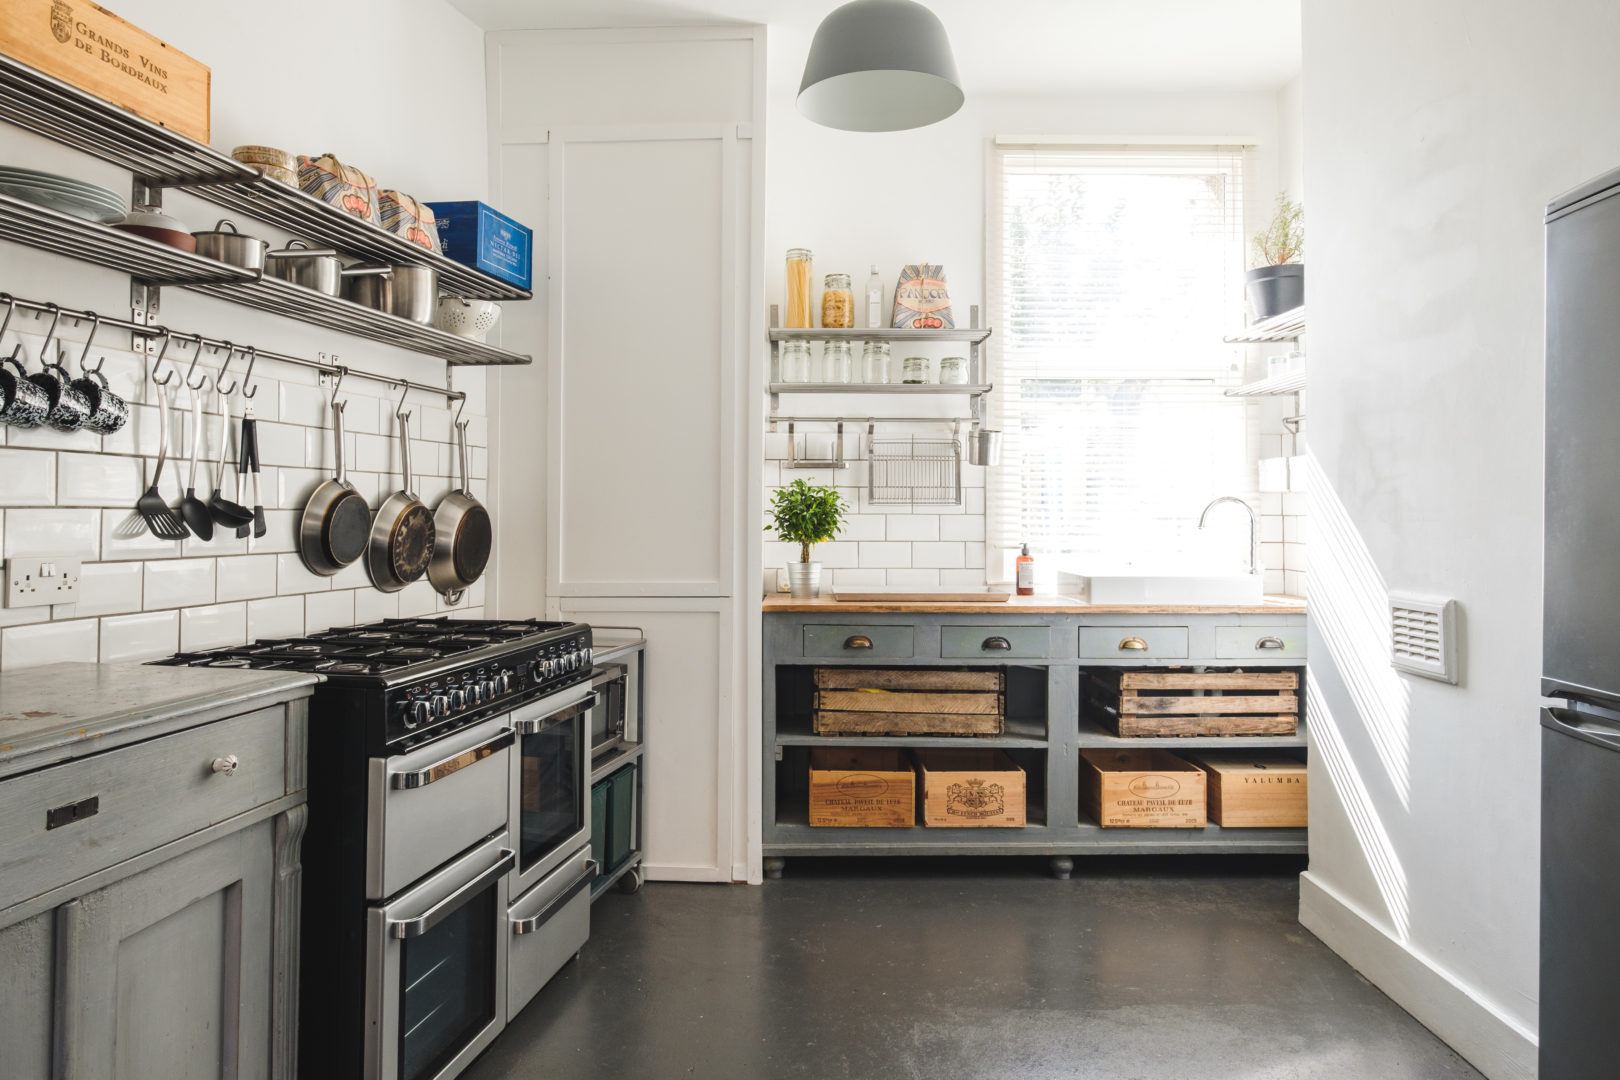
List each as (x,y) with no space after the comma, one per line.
(1350,606)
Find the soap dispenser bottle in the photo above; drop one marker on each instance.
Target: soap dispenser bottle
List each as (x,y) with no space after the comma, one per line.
(1026,573)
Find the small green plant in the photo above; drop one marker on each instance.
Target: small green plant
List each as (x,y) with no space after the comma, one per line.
(1283,241)
(804,514)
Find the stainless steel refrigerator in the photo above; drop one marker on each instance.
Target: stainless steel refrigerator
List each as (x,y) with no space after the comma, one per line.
(1580,664)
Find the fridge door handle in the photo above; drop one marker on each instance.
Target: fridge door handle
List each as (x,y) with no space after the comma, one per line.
(1581,725)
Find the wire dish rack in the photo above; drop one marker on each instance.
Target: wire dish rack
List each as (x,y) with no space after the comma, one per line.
(914,469)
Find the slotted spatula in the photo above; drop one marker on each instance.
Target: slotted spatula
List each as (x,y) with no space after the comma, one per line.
(152,507)
(192,509)
(226,514)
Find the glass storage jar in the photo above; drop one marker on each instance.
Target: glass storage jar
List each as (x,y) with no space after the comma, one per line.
(953,371)
(837,303)
(795,362)
(875,362)
(916,370)
(798,289)
(837,362)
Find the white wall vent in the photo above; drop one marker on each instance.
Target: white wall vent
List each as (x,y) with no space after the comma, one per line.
(1423,636)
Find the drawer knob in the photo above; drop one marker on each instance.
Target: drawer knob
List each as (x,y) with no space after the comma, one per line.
(226,764)
(1134,643)
(858,641)
(1270,642)
(996,644)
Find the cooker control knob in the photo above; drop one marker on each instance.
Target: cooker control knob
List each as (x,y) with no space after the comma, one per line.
(458,699)
(589,652)
(441,705)
(572,659)
(503,683)
(416,713)
(487,688)
(550,667)
(475,693)
(537,670)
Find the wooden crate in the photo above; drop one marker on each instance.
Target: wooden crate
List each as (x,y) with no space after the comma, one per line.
(1144,703)
(1254,791)
(95,50)
(1144,788)
(860,787)
(909,701)
(971,789)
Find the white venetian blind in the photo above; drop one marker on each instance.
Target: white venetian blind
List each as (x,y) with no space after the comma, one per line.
(1114,272)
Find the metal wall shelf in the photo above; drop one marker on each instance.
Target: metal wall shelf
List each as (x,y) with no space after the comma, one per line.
(1285,327)
(50,230)
(1289,382)
(971,335)
(877,388)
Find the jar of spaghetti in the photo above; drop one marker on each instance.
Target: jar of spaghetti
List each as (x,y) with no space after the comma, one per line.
(837,303)
(798,314)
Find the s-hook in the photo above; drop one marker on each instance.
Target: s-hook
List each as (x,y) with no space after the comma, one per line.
(219,380)
(400,408)
(11,309)
(462,405)
(95,324)
(168,335)
(56,317)
(195,356)
(253,356)
(337,382)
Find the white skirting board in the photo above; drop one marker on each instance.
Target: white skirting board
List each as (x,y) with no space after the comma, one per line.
(1496,1045)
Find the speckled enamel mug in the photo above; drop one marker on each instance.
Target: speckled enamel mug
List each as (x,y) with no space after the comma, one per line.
(67,409)
(22,402)
(108,411)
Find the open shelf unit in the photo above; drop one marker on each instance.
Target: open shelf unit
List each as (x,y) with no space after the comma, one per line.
(1289,382)
(159,158)
(1288,326)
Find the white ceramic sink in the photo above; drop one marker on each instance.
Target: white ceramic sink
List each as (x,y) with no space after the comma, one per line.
(1163,588)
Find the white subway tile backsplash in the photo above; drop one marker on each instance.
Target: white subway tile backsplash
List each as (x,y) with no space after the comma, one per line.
(48,643)
(864,527)
(1271,556)
(973,501)
(372,605)
(1271,529)
(30,477)
(961,579)
(941,555)
(915,579)
(139,435)
(322,611)
(973,554)
(279,616)
(245,577)
(308,406)
(837,554)
(48,438)
(173,583)
(1294,529)
(125,536)
(99,480)
(1275,581)
(1294,582)
(295,486)
(376,454)
(109,588)
(140,637)
(417,598)
(292,576)
(911,527)
(1294,557)
(885,555)
(280,444)
(353,576)
(281,533)
(213,627)
(966,527)
(75,533)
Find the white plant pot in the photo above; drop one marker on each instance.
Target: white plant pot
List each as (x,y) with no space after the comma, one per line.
(804,580)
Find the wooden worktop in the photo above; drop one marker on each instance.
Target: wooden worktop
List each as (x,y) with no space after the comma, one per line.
(1031,605)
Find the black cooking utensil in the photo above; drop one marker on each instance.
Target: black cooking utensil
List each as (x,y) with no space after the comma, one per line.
(192,509)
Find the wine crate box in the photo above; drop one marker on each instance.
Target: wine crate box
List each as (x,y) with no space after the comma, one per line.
(971,789)
(93,49)
(1142,789)
(1254,791)
(1158,703)
(856,787)
(907,701)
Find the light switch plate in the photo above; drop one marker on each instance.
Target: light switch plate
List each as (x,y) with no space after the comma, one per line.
(41,580)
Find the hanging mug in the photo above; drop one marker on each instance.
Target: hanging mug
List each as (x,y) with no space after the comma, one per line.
(22,403)
(108,411)
(67,408)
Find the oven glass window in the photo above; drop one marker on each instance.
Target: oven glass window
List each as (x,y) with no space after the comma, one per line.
(553,801)
(447,987)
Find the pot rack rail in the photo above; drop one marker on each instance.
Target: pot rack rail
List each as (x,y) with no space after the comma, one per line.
(167,336)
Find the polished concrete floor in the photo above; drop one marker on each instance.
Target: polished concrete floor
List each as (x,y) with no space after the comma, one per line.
(1137,969)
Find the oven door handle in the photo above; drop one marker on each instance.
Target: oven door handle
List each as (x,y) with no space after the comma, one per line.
(540,723)
(534,922)
(417,925)
(608,673)
(419,778)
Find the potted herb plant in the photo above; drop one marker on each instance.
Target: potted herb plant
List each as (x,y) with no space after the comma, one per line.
(1277,283)
(804,514)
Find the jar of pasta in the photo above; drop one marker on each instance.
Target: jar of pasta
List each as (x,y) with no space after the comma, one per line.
(798,314)
(837,303)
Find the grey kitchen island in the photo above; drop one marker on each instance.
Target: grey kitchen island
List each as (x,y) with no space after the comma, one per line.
(1046,644)
(150,824)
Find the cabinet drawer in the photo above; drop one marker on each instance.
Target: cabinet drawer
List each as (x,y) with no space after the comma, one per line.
(1133,642)
(991,642)
(885,642)
(1260,642)
(125,802)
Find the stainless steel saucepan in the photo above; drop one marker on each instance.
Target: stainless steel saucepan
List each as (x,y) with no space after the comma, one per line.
(314,268)
(410,292)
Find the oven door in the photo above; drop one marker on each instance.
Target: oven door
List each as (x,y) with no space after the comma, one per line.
(429,805)
(549,814)
(436,957)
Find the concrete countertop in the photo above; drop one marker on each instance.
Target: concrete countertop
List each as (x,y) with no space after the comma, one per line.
(1030,605)
(61,711)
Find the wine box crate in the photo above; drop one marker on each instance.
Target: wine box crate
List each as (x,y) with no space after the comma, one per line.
(1254,791)
(89,47)
(909,701)
(1142,788)
(861,787)
(978,789)
(1165,702)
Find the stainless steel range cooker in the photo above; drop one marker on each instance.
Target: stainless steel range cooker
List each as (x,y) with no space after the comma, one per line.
(448,848)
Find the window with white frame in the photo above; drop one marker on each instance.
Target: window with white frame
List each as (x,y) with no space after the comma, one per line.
(1114,273)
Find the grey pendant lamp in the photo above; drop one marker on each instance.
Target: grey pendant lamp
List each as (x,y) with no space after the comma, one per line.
(880,65)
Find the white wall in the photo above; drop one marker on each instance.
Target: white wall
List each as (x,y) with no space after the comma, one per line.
(1430,154)
(275,81)
(915,196)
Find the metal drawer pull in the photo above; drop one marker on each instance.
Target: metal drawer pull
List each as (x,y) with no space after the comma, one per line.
(534,922)
(858,641)
(418,925)
(1269,642)
(996,644)
(1134,643)
(453,764)
(226,764)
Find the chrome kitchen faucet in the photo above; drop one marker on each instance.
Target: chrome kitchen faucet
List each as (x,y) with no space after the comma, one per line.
(1254,527)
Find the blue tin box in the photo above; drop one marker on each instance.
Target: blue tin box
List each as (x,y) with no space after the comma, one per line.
(481,236)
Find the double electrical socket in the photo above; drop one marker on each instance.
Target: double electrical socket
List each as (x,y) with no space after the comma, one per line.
(39,580)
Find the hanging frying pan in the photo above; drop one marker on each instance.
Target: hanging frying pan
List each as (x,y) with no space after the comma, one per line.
(336,525)
(461,534)
(401,543)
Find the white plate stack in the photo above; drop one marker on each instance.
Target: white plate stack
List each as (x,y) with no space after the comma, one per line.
(62,193)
